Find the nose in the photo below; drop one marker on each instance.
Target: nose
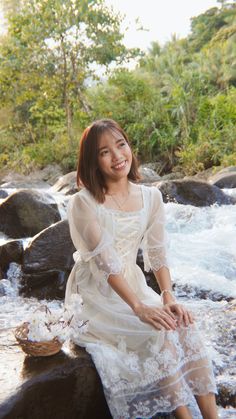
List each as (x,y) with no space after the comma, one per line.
(116,154)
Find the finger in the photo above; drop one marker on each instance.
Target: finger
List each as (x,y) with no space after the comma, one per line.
(168,311)
(166,316)
(172,322)
(190,317)
(167,324)
(179,313)
(185,318)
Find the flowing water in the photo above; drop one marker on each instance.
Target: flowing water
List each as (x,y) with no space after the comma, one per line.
(202,251)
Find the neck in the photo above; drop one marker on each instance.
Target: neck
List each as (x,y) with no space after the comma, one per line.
(121,186)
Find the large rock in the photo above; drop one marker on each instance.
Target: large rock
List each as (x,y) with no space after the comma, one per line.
(192,192)
(226,178)
(12,251)
(148,175)
(226,392)
(26,183)
(61,386)
(48,262)
(66,184)
(27,212)
(39,178)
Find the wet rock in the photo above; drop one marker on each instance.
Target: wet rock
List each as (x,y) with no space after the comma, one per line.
(225,178)
(227,391)
(150,277)
(172,176)
(47,262)
(203,294)
(148,175)
(49,174)
(27,212)
(3,194)
(61,386)
(192,192)
(12,251)
(66,184)
(204,174)
(25,184)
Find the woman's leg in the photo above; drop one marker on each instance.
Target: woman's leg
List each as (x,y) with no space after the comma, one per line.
(182,412)
(207,406)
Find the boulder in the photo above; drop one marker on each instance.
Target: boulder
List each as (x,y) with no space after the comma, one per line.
(226,392)
(26,183)
(61,386)
(193,192)
(172,176)
(66,184)
(49,174)
(26,212)
(224,179)
(39,178)
(148,175)
(12,251)
(47,262)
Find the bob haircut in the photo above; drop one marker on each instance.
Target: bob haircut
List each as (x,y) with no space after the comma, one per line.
(88,172)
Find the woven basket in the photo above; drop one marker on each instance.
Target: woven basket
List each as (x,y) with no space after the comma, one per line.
(43,348)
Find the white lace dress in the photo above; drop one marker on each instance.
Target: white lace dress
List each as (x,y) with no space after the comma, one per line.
(143,370)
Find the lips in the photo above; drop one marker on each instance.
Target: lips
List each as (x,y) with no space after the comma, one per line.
(120,166)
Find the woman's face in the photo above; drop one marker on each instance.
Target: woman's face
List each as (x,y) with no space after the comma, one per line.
(114,155)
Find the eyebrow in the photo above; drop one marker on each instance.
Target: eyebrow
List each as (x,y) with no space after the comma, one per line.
(117,141)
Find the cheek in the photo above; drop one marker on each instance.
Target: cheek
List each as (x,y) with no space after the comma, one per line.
(103,163)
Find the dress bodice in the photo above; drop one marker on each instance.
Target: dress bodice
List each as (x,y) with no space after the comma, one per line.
(128,228)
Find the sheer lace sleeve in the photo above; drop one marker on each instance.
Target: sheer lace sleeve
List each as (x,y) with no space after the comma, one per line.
(154,241)
(94,244)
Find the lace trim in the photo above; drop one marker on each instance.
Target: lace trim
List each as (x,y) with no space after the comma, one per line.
(142,409)
(158,366)
(155,258)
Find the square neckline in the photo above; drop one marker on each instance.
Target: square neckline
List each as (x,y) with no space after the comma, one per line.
(119,211)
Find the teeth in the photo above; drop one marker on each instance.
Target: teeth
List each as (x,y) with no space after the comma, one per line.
(118,166)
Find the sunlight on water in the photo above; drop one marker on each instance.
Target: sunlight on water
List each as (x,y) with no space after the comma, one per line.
(202,247)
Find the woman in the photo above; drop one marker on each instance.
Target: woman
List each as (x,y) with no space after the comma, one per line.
(146,348)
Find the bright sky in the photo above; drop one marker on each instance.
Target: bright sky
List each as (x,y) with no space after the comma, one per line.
(162,17)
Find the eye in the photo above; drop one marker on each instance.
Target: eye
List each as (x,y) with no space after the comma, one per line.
(122,143)
(103,153)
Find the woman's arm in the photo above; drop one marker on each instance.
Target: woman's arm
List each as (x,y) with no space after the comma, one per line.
(159,318)
(170,304)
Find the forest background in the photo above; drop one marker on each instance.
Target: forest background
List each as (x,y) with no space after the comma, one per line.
(178,105)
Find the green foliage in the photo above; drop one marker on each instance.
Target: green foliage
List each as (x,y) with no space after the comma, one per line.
(45,60)
(207,25)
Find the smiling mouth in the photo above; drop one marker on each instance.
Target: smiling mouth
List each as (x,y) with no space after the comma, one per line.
(120,165)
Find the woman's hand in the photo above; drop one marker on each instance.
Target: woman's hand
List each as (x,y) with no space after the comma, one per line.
(157,317)
(183,316)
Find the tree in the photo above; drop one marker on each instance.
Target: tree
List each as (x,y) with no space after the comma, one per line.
(205,26)
(50,51)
